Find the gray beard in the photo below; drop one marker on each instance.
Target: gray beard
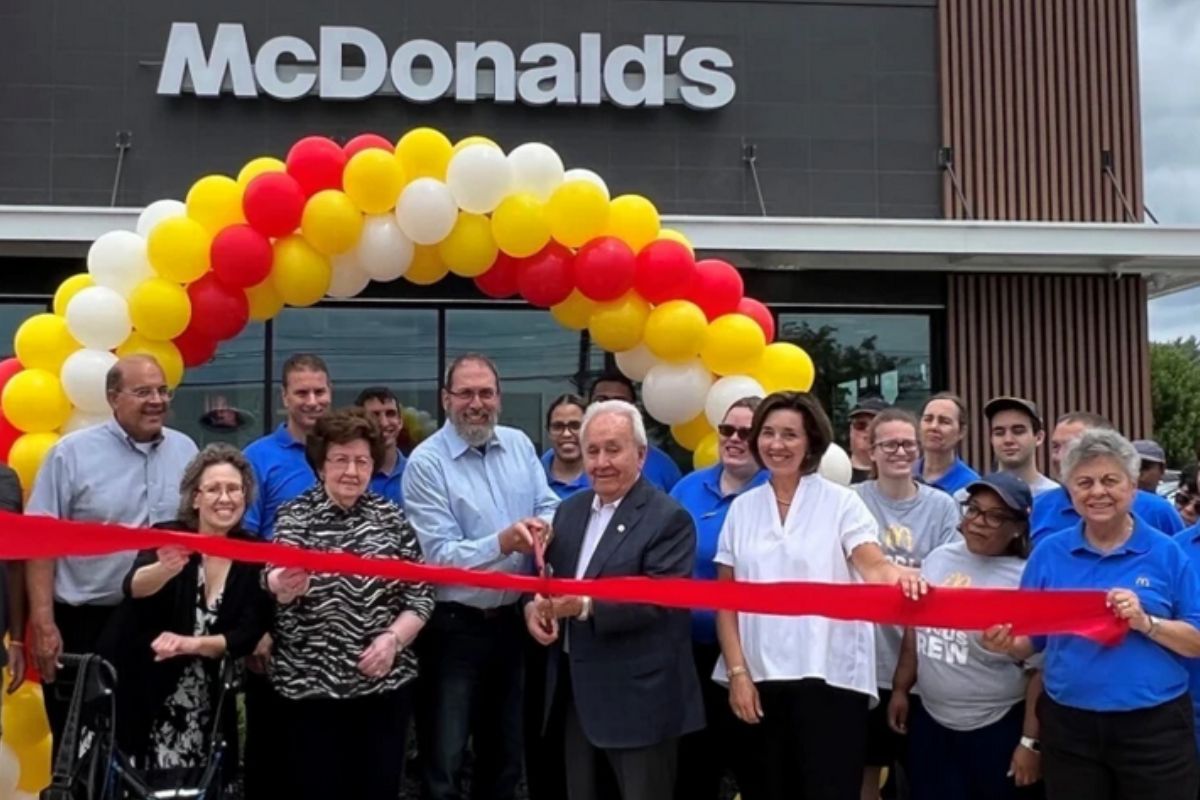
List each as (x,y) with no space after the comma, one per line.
(475,435)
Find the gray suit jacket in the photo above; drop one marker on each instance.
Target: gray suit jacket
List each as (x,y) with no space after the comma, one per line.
(633,678)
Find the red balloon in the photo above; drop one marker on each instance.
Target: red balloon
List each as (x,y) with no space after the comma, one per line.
(500,281)
(760,314)
(604,269)
(664,271)
(241,256)
(273,204)
(8,368)
(9,433)
(316,163)
(367,141)
(717,287)
(546,277)
(218,312)
(195,348)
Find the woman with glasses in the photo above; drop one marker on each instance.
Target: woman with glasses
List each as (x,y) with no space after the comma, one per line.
(972,735)
(707,496)
(564,460)
(1187,498)
(184,613)
(914,519)
(343,662)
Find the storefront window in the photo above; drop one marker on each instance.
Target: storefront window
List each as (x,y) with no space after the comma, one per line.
(11,317)
(222,401)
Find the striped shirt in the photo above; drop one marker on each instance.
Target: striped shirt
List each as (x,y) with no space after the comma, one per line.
(320,637)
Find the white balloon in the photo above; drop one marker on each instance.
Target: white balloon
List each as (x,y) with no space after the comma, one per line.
(728,391)
(98,318)
(635,363)
(156,212)
(10,770)
(83,376)
(426,211)
(581,174)
(349,278)
(674,393)
(118,260)
(479,177)
(79,420)
(537,169)
(383,251)
(836,466)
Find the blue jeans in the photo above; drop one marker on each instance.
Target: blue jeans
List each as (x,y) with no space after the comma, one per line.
(945,764)
(471,688)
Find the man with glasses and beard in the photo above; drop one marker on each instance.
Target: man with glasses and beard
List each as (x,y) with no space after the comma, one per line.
(477,495)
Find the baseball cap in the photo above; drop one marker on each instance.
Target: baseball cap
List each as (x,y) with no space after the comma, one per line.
(1011,489)
(998,404)
(868,405)
(1150,450)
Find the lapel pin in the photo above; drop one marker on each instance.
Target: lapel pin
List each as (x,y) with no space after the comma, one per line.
(621,528)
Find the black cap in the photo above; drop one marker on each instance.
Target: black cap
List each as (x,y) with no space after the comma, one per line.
(998,404)
(1011,489)
(868,405)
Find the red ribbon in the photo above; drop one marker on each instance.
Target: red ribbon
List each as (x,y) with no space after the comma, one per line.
(1083,613)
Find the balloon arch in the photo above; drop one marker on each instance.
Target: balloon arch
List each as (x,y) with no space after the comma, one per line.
(329,219)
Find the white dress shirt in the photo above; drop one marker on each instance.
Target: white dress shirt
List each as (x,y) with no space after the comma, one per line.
(602,514)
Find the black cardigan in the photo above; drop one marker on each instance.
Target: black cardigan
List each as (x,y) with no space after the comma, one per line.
(143,684)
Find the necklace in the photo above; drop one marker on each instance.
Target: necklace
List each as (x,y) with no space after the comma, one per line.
(778,499)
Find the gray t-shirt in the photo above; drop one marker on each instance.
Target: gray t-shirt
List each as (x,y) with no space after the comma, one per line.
(909,530)
(963,686)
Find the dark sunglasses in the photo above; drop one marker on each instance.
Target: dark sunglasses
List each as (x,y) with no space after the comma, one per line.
(1183,500)
(733,430)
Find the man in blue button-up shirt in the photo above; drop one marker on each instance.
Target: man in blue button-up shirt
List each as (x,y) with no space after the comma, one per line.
(477,496)
(381,403)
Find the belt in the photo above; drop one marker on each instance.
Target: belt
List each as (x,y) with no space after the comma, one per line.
(464,611)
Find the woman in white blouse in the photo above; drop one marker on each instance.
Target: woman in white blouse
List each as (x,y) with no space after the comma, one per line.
(804,683)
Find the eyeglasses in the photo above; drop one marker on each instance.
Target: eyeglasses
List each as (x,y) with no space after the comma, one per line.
(214,491)
(893,446)
(343,462)
(992,517)
(562,427)
(148,392)
(485,395)
(1183,500)
(728,431)
(860,425)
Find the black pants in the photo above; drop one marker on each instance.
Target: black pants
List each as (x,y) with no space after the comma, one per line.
(1119,755)
(945,764)
(722,745)
(472,665)
(545,770)
(81,629)
(351,748)
(812,738)
(264,739)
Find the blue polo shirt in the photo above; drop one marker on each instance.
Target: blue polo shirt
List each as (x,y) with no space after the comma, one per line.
(700,494)
(281,473)
(1138,672)
(1189,540)
(959,476)
(562,488)
(659,469)
(1052,511)
(387,484)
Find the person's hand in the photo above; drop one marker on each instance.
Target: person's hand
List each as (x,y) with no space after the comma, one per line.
(542,531)
(16,664)
(173,558)
(517,538)
(380,656)
(897,712)
(1026,766)
(569,607)
(287,583)
(998,639)
(169,645)
(911,583)
(47,649)
(257,661)
(541,625)
(743,699)
(1127,606)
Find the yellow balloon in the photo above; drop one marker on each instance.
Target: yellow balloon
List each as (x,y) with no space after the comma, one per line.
(373,179)
(43,342)
(159,309)
(23,717)
(35,766)
(215,201)
(675,236)
(427,266)
(576,212)
(258,166)
(575,312)
(178,249)
(784,367)
(634,220)
(331,222)
(469,250)
(470,140)
(520,225)
(25,458)
(265,301)
(692,433)
(618,325)
(675,331)
(706,453)
(424,153)
(300,274)
(68,289)
(34,401)
(165,353)
(733,345)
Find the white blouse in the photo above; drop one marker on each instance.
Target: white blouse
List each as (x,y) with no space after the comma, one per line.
(824,524)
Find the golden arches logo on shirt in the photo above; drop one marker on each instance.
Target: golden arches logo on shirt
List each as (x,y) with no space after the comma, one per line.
(958,580)
(898,537)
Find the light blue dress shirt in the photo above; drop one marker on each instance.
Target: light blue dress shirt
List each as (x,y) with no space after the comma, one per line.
(459,498)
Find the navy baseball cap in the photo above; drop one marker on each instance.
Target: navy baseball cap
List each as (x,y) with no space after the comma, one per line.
(998,404)
(868,405)
(1150,450)
(1011,489)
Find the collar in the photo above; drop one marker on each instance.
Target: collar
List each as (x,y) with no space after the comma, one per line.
(114,427)
(711,480)
(325,503)
(1139,540)
(1191,534)
(597,504)
(458,446)
(400,461)
(283,437)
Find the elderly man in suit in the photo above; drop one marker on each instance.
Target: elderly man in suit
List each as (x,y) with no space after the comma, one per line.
(621,675)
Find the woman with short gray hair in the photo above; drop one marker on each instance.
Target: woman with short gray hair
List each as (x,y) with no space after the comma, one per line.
(1116,721)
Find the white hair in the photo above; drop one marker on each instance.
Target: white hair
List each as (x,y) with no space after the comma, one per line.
(1101,443)
(620,408)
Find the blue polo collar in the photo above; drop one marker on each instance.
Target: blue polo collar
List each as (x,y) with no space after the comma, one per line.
(1139,541)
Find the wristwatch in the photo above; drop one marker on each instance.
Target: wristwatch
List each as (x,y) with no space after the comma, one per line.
(586,612)
(1154,622)
(1030,743)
